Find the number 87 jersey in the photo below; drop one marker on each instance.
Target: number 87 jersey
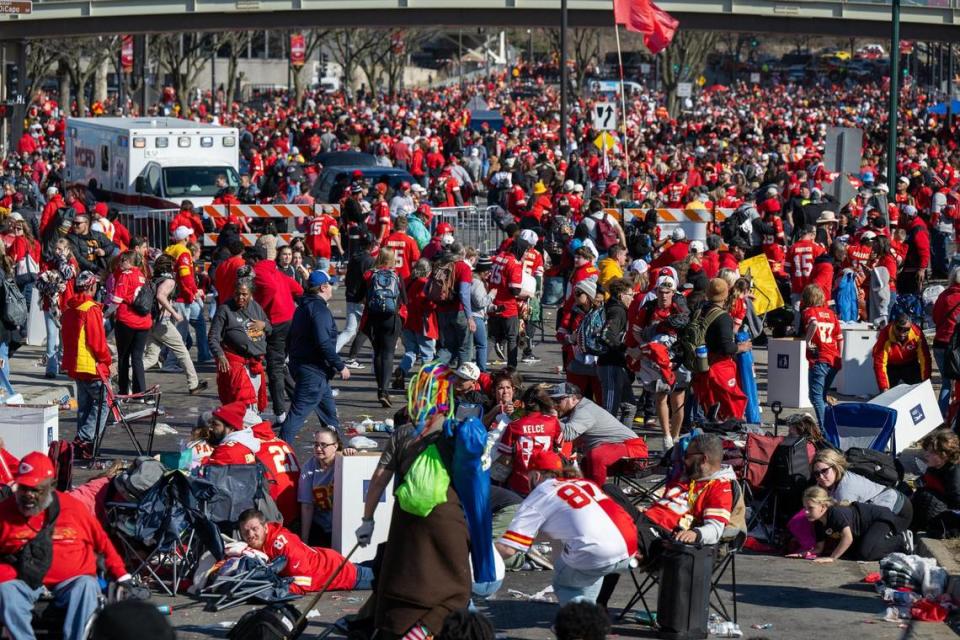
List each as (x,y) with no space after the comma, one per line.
(595,530)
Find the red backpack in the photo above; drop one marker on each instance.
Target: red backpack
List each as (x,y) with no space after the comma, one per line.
(607,235)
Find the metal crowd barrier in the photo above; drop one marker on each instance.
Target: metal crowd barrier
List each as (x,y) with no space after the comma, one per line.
(474,226)
(152,223)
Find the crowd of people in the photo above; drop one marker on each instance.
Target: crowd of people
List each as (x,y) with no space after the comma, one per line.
(656,328)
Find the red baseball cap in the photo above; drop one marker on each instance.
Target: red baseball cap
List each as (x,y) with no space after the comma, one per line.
(231,414)
(444,227)
(34,469)
(545,460)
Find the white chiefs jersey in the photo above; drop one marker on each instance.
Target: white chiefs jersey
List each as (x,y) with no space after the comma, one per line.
(595,530)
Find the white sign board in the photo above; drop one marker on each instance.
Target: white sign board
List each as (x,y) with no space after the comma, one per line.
(28,427)
(917,412)
(755,78)
(605,116)
(684,89)
(351,479)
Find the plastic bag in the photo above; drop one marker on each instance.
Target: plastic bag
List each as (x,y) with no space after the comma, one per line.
(425,485)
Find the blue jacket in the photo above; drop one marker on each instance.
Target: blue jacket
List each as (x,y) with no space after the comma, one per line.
(313,336)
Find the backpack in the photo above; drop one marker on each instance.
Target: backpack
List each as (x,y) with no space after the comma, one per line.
(590,332)
(383,293)
(145,299)
(273,622)
(15,311)
(440,284)
(607,235)
(909,304)
(692,340)
(875,466)
(418,231)
(639,242)
(60,453)
(951,357)
(139,478)
(789,474)
(736,227)
(846,298)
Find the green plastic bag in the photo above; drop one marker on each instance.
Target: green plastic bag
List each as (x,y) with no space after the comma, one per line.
(425,485)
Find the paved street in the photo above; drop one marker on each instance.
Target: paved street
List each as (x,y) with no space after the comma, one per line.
(801,600)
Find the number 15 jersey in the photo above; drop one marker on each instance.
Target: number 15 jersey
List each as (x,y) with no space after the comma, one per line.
(595,530)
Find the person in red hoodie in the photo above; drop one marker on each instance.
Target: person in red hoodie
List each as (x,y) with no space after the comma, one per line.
(8,465)
(78,538)
(132,328)
(187,218)
(420,329)
(946,312)
(275,293)
(710,260)
(310,567)
(232,441)
(86,359)
(225,275)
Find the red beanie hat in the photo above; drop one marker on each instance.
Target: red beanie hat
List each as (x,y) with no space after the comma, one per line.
(232,414)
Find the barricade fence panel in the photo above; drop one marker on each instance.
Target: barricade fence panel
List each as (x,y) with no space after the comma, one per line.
(152,223)
(474,226)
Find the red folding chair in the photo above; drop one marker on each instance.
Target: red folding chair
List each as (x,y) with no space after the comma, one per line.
(117,405)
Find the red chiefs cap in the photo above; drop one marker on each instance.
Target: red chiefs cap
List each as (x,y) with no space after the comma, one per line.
(231,414)
(545,460)
(34,469)
(443,228)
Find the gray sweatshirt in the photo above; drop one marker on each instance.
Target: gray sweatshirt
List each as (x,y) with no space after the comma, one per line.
(480,298)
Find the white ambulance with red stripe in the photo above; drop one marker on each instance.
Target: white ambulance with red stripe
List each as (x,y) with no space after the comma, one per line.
(152,163)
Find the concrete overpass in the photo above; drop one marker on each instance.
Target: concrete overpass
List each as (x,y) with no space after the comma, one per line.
(931,20)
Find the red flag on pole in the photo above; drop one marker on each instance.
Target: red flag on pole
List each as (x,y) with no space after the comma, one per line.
(643,16)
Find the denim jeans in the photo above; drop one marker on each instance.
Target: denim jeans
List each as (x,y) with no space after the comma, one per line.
(617,391)
(416,345)
(312,393)
(88,408)
(582,585)
(364,580)
(819,380)
(480,345)
(456,341)
(198,321)
(354,311)
(77,595)
(939,355)
(53,343)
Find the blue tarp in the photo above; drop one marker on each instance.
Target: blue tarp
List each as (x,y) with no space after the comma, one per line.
(493,119)
(940,108)
(859,424)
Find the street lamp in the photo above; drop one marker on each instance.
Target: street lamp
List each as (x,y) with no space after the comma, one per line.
(894,96)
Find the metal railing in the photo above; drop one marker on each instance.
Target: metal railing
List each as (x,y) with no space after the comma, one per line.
(152,223)
(474,226)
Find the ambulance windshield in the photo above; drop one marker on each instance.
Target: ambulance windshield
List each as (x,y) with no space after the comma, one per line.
(198,181)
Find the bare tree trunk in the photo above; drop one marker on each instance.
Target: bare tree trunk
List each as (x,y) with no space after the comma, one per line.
(683,61)
(63,76)
(100,90)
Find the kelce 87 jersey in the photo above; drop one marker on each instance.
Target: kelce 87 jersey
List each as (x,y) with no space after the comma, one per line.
(595,531)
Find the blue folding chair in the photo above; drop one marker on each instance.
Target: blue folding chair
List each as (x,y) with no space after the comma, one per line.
(859,424)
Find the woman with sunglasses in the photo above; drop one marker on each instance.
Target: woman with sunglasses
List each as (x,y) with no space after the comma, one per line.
(901,354)
(315,489)
(830,472)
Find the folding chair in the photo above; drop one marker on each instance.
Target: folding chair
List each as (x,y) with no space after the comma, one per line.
(118,405)
(859,424)
(254,580)
(730,544)
(638,478)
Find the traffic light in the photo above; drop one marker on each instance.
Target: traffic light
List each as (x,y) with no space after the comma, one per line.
(13,80)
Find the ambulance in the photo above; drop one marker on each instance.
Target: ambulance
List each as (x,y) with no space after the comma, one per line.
(152,163)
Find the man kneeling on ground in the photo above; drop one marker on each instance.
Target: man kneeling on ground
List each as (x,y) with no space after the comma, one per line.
(310,567)
(598,536)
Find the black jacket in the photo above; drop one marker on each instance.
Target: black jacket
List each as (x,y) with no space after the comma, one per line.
(355,287)
(614,332)
(313,336)
(720,339)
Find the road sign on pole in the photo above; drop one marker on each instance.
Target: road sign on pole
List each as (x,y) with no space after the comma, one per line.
(605,116)
(684,89)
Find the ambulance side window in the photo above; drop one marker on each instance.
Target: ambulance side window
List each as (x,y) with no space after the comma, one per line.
(153,180)
(104,158)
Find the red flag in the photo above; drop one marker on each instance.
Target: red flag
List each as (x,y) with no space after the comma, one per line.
(643,16)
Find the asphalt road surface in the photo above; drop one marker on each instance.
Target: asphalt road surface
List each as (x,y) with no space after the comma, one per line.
(799,599)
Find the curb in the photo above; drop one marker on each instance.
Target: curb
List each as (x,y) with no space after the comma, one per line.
(935,549)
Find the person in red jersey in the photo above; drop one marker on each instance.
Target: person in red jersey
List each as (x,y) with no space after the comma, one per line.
(537,430)
(824,345)
(310,567)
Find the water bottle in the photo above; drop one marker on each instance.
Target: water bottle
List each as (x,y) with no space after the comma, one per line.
(725,629)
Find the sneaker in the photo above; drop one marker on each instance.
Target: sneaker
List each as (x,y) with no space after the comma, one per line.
(498,348)
(353,364)
(530,359)
(281,418)
(384,400)
(82,450)
(908,547)
(203,384)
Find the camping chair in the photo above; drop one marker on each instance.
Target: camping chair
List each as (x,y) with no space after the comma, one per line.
(162,537)
(859,424)
(730,545)
(121,407)
(245,579)
(639,479)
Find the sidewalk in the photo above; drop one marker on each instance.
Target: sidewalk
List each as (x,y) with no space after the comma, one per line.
(26,376)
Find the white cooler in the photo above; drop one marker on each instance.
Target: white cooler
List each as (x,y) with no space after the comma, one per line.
(787,373)
(28,427)
(351,478)
(917,412)
(856,377)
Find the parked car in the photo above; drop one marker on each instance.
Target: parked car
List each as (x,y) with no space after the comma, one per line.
(329,176)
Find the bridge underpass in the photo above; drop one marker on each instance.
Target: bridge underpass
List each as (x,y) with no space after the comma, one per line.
(927,20)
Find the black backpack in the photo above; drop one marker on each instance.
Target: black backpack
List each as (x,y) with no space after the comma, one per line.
(951,357)
(735,227)
(145,300)
(875,466)
(273,622)
(789,474)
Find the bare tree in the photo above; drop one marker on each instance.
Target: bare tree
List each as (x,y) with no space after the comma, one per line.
(313,39)
(585,47)
(182,55)
(41,56)
(234,43)
(683,61)
(78,60)
(348,46)
(389,57)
